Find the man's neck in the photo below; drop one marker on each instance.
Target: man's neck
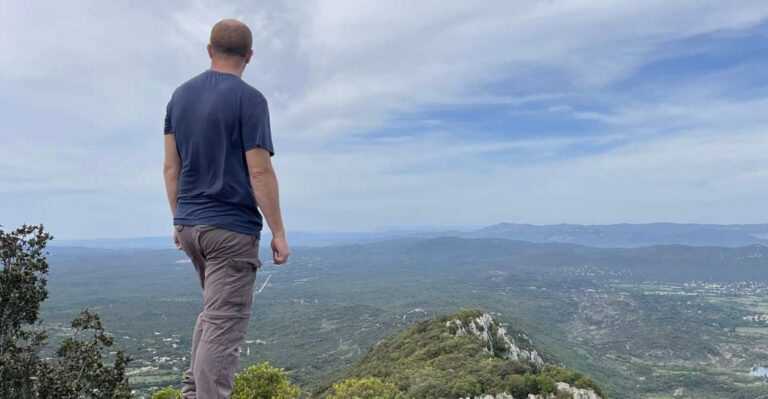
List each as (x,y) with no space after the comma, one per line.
(228,68)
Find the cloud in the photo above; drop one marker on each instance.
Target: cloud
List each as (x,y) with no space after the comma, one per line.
(368,63)
(381,111)
(695,176)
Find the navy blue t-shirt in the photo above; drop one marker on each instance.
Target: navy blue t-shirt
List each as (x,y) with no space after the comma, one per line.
(215,118)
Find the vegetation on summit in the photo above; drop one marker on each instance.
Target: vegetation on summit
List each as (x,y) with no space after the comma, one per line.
(430,359)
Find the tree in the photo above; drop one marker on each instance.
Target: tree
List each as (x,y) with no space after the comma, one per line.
(365,388)
(22,290)
(262,381)
(77,369)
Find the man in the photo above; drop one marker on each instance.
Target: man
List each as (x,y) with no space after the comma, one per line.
(217,171)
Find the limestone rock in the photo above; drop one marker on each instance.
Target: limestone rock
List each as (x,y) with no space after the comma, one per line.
(496,338)
(498,396)
(576,393)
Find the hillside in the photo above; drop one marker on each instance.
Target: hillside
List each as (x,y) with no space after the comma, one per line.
(467,354)
(660,262)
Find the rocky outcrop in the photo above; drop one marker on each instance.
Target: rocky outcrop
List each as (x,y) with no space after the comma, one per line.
(562,387)
(448,355)
(499,396)
(576,393)
(497,340)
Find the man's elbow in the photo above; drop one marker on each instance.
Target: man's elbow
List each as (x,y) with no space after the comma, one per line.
(171,170)
(260,173)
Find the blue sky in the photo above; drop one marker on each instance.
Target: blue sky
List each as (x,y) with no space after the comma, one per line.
(399,113)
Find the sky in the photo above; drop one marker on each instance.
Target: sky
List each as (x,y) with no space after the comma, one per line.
(399,113)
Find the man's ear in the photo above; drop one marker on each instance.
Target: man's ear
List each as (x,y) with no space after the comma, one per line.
(210,51)
(248,56)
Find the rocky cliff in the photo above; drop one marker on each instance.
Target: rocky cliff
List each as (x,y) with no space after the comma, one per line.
(467,354)
(497,341)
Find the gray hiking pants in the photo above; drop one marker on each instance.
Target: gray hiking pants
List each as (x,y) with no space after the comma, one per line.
(226,263)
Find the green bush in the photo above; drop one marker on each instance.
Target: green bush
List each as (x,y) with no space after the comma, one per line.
(546,384)
(365,388)
(167,393)
(468,386)
(262,381)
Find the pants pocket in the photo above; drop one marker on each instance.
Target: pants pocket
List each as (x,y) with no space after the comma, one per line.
(245,264)
(237,294)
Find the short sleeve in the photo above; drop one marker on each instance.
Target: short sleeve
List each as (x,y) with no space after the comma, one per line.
(168,122)
(255,129)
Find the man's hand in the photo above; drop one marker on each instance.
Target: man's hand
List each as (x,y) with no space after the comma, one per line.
(280,250)
(176,239)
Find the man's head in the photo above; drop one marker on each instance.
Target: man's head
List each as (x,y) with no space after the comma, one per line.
(231,42)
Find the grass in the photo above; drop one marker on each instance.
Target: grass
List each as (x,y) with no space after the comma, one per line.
(155,378)
(752,330)
(748,303)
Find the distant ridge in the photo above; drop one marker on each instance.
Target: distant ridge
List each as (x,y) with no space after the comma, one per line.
(631,235)
(623,235)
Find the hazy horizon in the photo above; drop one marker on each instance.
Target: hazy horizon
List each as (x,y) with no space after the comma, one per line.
(381,232)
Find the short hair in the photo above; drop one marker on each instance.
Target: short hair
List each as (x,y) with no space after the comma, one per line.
(231,37)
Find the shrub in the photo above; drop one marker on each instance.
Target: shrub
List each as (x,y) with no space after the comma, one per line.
(262,381)
(167,393)
(365,388)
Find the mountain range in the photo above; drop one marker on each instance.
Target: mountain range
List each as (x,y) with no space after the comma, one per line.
(604,236)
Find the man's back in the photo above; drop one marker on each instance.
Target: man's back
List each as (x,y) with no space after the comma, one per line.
(215,118)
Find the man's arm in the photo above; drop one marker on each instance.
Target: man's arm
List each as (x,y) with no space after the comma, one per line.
(264,185)
(171,172)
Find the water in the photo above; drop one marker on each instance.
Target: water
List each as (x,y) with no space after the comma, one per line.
(759,371)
